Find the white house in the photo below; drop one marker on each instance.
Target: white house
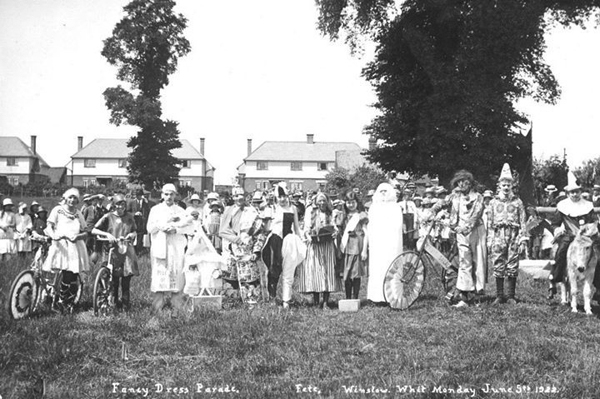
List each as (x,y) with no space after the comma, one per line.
(303,165)
(104,161)
(20,163)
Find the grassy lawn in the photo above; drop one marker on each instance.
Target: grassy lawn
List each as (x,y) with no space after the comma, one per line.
(266,352)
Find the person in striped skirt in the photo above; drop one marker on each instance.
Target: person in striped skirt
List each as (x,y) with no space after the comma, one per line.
(317,273)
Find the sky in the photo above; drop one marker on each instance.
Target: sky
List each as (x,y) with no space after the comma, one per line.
(258,70)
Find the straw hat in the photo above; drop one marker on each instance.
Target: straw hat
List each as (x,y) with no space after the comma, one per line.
(195,197)
(550,188)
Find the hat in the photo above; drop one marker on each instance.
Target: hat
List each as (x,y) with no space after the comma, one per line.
(338,202)
(71,192)
(596,187)
(119,198)
(550,188)
(257,196)
(426,201)
(22,205)
(282,190)
(370,193)
(488,194)
(297,194)
(212,196)
(411,185)
(586,195)
(169,188)
(418,198)
(266,213)
(86,198)
(195,197)
(430,190)
(7,201)
(441,190)
(217,205)
(572,183)
(505,174)
(42,209)
(37,203)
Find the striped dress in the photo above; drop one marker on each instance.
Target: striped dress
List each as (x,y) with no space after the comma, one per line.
(317,273)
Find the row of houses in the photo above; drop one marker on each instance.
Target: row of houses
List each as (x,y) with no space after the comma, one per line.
(303,165)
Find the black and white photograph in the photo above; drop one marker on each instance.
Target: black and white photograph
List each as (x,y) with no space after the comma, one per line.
(299,199)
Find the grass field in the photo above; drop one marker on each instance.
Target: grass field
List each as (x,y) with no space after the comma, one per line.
(430,351)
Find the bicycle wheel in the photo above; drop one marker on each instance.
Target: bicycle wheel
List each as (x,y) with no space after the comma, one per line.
(23,295)
(404,280)
(102,292)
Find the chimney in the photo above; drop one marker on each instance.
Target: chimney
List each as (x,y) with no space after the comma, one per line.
(34,144)
(372,143)
(310,138)
(249,147)
(202,146)
(79,143)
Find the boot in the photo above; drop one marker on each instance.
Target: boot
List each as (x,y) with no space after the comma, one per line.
(348,286)
(325,300)
(499,291)
(511,283)
(355,288)
(316,299)
(551,290)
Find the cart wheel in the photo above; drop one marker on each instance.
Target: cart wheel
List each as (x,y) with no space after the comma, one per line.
(404,280)
(23,295)
(102,292)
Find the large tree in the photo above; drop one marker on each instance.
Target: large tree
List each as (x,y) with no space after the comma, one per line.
(145,47)
(447,74)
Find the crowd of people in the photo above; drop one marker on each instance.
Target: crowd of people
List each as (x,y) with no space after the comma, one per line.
(323,246)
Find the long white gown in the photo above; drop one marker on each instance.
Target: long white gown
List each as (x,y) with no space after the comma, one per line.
(385,238)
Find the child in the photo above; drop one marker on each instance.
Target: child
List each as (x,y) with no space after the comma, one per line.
(507,233)
(213,224)
(113,226)
(353,245)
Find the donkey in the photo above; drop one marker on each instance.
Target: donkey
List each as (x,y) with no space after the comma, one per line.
(582,258)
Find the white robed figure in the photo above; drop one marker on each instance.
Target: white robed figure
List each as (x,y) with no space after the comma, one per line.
(385,238)
(168,224)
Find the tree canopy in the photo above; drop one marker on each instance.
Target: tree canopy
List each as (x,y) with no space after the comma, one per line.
(145,47)
(447,74)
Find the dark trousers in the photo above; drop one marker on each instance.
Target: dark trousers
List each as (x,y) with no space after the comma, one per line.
(125,283)
(274,260)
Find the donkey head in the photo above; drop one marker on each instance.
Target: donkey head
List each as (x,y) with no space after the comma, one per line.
(582,247)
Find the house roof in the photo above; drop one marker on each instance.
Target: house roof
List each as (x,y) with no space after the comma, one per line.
(299,151)
(117,149)
(15,147)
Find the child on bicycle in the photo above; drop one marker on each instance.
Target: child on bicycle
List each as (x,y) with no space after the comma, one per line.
(119,228)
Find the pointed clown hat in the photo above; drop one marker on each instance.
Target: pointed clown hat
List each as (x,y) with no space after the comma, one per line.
(506,174)
(572,182)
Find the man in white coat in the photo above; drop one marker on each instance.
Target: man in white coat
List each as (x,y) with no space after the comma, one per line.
(168,224)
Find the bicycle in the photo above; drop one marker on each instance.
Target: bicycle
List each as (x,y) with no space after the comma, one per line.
(406,274)
(103,298)
(35,286)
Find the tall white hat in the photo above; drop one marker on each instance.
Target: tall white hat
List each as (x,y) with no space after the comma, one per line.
(505,174)
(571,182)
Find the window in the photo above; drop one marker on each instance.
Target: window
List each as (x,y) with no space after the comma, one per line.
(321,185)
(89,163)
(295,186)
(14,181)
(86,182)
(296,166)
(186,163)
(322,166)
(185,183)
(11,161)
(262,165)
(122,163)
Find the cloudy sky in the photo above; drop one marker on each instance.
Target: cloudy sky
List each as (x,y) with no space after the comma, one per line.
(257,69)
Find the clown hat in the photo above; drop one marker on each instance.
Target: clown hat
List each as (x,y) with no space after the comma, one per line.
(572,183)
(505,174)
